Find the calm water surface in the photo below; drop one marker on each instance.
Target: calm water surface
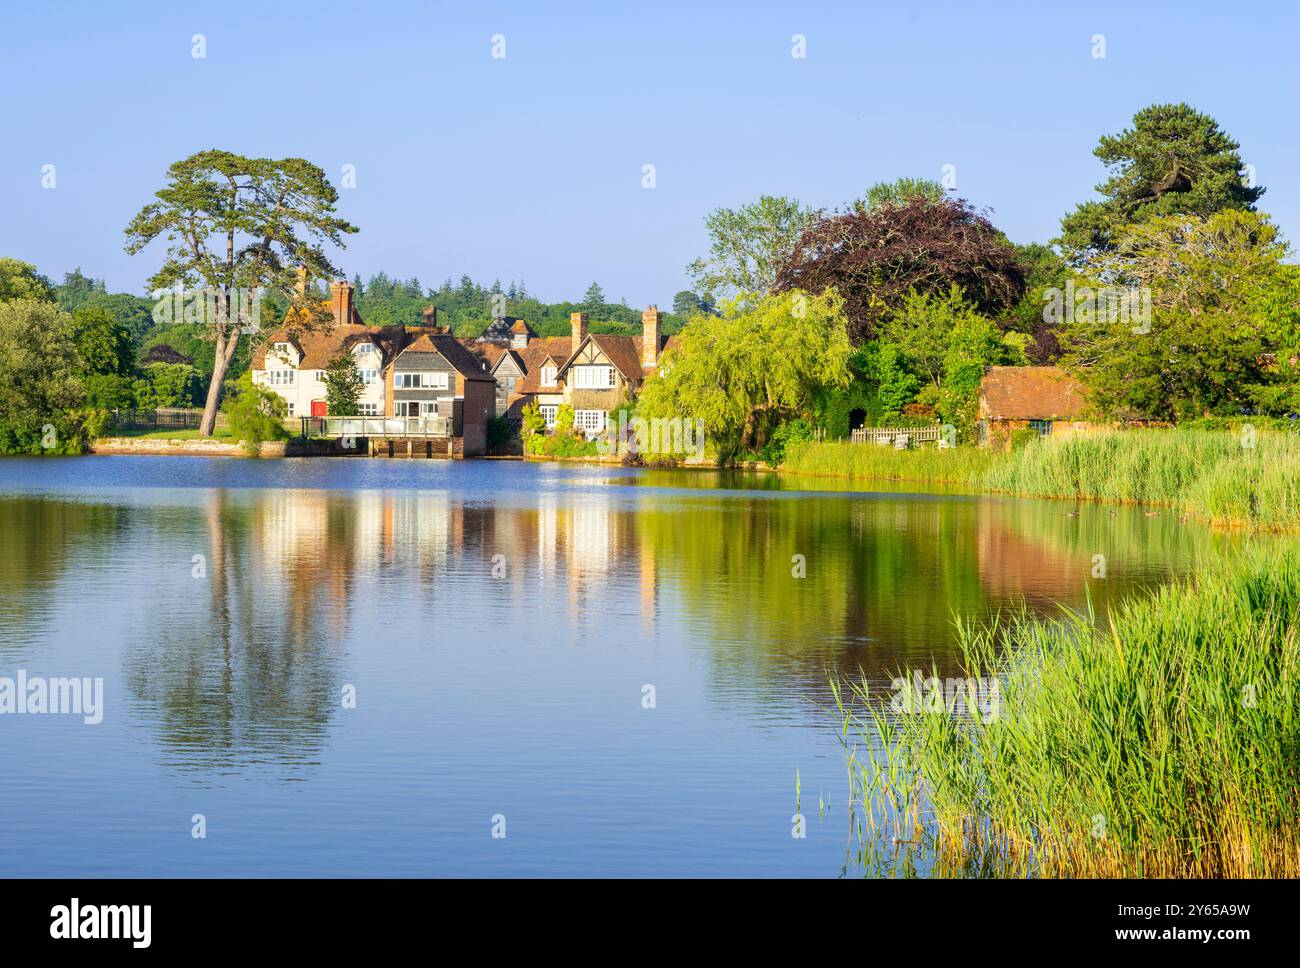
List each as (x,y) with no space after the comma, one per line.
(500,623)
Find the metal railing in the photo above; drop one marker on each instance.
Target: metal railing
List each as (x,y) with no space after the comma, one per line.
(428,426)
(162,418)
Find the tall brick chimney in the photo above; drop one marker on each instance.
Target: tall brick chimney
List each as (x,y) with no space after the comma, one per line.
(578,326)
(300,287)
(651,323)
(430,316)
(341,302)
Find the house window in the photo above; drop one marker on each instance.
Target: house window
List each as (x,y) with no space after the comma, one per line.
(435,380)
(548,375)
(282,349)
(290,412)
(368,409)
(369,376)
(280,378)
(548,413)
(589,421)
(365,349)
(593,377)
(1044,427)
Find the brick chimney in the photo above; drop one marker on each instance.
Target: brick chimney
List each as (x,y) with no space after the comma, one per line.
(578,326)
(341,302)
(431,316)
(300,287)
(651,323)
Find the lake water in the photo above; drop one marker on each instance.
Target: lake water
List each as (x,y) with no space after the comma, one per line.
(504,627)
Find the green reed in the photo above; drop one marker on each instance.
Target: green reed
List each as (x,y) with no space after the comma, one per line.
(1163,742)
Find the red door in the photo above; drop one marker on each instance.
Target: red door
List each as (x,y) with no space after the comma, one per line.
(318,408)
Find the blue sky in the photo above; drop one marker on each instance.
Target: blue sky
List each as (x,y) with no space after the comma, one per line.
(531,166)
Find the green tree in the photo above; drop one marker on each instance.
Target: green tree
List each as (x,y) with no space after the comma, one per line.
(1172,161)
(974,344)
(103,344)
(39,387)
(255,414)
(171,384)
(747,246)
(1205,349)
(594,298)
(902,190)
(237,225)
(343,386)
(20,280)
(922,328)
(533,421)
(764,361)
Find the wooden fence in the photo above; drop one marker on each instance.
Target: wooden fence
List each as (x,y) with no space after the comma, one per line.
(897,436)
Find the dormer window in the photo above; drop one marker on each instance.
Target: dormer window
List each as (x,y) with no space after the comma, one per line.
(548,375)
(365,349)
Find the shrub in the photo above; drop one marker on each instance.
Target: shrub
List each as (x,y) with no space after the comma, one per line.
(791,432)
(256,415)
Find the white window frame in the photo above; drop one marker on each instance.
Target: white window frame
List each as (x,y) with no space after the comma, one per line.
(590,421)
(368,409)
(281,378)
(593,377)
(369,377)
(548,412)
(549,373)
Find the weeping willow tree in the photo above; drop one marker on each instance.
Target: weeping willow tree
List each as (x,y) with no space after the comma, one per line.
(764,361)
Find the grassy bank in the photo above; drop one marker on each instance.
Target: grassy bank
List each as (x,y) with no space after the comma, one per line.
(1210,475)
(1161,745)
(958,465)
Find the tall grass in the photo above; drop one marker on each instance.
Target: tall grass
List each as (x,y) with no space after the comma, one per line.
(1165,743)
(958,465)
(1219,476)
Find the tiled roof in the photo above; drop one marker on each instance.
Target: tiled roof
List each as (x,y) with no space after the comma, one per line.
(319,346)
(462,360)
(1031,393)
(625,352)
(534,356)
(162,353)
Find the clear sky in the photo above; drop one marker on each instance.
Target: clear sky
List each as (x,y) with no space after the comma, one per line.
(531,166)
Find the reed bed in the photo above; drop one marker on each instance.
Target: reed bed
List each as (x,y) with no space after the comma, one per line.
(1225,478)
(957,465)
(1164,742)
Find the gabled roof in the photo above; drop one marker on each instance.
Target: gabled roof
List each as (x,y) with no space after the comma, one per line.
(162,353)
(624,352)
(535,355)
(503,327)
(450,349)
(319,346)
(1031,393)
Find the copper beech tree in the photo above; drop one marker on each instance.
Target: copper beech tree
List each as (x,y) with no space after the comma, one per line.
(875,255)
(235,228)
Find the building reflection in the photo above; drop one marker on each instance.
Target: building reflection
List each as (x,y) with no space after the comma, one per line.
(299,583)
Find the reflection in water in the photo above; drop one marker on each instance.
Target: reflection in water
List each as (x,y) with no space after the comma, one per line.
(505,634)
